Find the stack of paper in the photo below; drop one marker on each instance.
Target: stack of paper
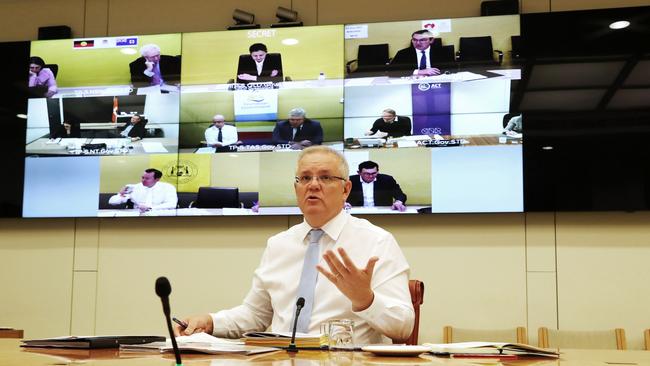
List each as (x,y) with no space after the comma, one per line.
(203,343)
(490,348)
(282,339)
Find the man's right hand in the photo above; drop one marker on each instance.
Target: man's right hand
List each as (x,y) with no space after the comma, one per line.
(149,65)
(195,324)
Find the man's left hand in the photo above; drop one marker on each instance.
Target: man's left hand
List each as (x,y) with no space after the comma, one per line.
(353,282)
(399,206)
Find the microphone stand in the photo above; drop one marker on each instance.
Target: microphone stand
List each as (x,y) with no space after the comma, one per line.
(292,346)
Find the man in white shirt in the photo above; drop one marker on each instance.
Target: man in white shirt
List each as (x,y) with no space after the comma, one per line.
(221,134)
(363,273)
(149,194)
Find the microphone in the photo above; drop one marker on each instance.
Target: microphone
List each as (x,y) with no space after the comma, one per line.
(299,305)
(163,289)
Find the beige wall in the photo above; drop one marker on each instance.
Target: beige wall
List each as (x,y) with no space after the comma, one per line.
(86,276)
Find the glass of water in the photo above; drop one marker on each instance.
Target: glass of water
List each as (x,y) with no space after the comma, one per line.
(341,334)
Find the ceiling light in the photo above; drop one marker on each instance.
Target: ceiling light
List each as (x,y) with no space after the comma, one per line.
(620,24)
(290,42)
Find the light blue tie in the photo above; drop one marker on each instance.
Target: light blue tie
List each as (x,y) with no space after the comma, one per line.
(308,278)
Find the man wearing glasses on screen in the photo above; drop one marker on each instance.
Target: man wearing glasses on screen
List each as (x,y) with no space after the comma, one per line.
(342,266)
(418,56)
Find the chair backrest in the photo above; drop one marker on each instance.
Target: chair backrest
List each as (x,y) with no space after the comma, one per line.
(416,289)
(185,199)
(603,339)
(372,55)
(511,335)
(217,197)
(54,68)
(248,199)
(475,49)
(104,205)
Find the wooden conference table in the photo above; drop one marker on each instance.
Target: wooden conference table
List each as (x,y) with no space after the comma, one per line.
(12,354)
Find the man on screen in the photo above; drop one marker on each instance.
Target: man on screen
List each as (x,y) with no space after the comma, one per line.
(363,273)
(149,194)
(220,134)
(134,129)
(369,189)
(418,56)
(390,125)
(155,69)
(260,66)
(298,130)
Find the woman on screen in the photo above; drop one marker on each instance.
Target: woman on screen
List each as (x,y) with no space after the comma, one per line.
(41,78)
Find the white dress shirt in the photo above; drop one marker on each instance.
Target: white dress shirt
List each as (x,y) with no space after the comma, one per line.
(160,196)
(272,297)
(228,135)
(368,193)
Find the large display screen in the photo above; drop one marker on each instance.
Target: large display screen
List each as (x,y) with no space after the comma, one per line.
(212,123)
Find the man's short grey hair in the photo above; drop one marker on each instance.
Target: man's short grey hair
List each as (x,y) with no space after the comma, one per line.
(390,110)
(320,149)
(297,112)
(149,49)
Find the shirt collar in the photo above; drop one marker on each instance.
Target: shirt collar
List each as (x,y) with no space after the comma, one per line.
(362,182)
(332,228)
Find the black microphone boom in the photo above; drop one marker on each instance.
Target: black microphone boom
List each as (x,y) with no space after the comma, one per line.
(299,305)
(163,289)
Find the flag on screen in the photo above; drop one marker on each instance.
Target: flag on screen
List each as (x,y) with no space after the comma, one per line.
(115,108)
(84,43)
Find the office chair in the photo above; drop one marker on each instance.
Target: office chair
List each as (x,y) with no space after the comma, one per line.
(512,335)
(416,289)
(477,51)
(54,68)
(603,339)
(185,199)
(248,199)
(217,197)
(370,57)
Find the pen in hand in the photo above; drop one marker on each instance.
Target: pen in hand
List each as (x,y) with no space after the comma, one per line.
(180,322)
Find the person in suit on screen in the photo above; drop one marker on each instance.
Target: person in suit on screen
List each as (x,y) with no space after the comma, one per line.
(260,66)
(298,130)
(155,69)
(134,128)
(369,189)
(341,266)
(42,82)
(418,57)
(149,194)
(390,125)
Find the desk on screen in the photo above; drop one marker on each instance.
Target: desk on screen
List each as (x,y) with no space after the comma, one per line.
(114,146)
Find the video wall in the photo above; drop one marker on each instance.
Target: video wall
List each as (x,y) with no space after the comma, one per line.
(212,123)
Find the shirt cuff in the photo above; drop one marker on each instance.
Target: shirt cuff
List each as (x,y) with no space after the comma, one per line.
(148,73)
(374,311)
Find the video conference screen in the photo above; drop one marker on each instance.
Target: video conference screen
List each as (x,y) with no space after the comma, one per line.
(212,123)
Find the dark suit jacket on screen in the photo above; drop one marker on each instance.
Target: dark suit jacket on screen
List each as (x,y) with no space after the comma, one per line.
(138,129)
(273,61)
(407,59)
(309,130)
(385,190)
(170,69)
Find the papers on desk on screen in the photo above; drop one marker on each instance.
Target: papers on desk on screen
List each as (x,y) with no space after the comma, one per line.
(282,340)
(153,147)
(484,349)
(201,343)
(90,342)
